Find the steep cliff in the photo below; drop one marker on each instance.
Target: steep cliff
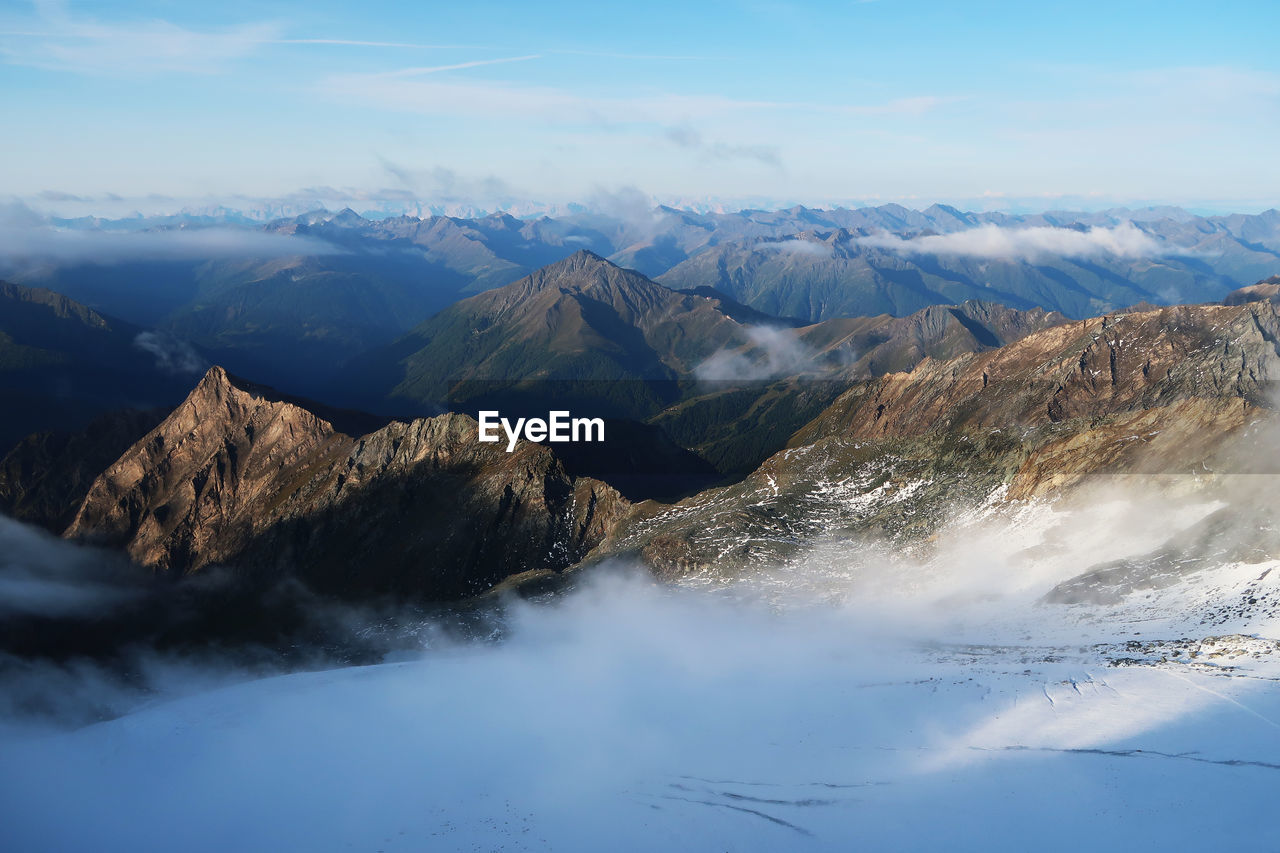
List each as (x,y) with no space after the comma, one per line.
(237,475)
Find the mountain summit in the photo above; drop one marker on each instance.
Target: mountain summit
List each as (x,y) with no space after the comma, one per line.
(583,274)
(240,476)
(582,319)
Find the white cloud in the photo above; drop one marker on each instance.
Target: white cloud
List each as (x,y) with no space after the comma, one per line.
(173,355)
(687,137)
(55,38)
(703,721)
(41,574)
(631,206)
(397,91)
(441,184)
(27,242)
(435,69)
(772,352)
(913,106)
(63,41)
(1029,244)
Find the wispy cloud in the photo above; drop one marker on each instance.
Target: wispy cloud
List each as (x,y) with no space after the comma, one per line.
(604,54)
(690,139)
(457,66)
(914,106)
(443,184)
(1029,244)
(397,90)
(57,39)
(387,44)
(772,352)
(67,42)
(173,355)
(42,575)
(56,195)
(25,237)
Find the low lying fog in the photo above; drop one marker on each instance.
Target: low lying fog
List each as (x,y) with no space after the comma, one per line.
(908,702)
(27,237)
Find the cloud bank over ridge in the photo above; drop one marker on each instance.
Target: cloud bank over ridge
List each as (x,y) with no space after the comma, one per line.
(1029,244)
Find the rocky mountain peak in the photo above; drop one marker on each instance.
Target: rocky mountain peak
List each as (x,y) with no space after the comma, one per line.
(347,217)
(206,464)
(237,475)
(570,289)
(221,399)
(586,272)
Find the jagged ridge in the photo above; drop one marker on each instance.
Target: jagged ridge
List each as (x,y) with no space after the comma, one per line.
(236,475)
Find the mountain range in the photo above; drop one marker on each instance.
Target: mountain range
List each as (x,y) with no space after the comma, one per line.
(760,402)
(719,377)
(340,286)
(239,476)
(894,459)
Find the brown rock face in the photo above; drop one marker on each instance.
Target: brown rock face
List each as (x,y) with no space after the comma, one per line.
(238,476)
(1146,392)
(874,346)
(1096,368)
(193,488)
(1143,392)
(892,459)
(1152,441)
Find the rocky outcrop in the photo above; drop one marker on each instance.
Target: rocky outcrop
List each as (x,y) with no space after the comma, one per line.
(873,346)
(736,425)
(889,496)
(237,475)
(1096,368)
(1154,389)
(893,459)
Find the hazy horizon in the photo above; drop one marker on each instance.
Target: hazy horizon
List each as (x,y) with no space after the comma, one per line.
(994,106)
(66,206)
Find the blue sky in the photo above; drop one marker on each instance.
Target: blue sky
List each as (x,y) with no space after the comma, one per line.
(908,100)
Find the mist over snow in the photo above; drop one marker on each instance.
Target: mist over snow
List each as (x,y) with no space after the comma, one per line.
(849,697)
(1030,244)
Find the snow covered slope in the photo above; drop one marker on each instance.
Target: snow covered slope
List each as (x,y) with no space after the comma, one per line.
(820,706)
